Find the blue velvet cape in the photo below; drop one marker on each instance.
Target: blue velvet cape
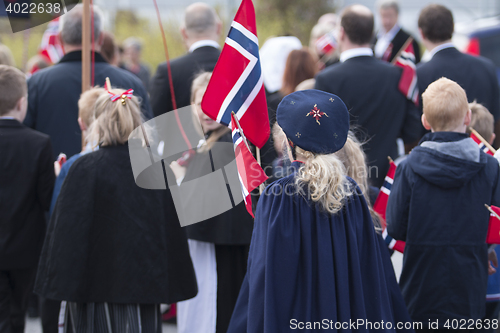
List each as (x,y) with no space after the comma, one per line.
(307,266)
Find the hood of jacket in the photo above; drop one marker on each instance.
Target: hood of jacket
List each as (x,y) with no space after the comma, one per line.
(447,159)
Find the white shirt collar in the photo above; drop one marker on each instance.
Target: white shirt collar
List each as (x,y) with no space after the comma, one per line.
(357,52)
(202,43)
(439,48)
(8,117)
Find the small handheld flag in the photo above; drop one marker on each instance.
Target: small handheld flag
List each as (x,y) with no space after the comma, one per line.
(408,81)
(380,206)
(237,82)
(493,235)
(326,44)
(250,173)
(482,143)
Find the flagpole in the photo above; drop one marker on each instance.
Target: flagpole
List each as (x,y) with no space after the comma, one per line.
(493,150)
(492,211)
(86,46)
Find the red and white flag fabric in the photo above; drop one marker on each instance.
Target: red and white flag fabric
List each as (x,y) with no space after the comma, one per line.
(51,47)
(326,44)
(481,142)
(493,235)
(408,81)
(380,206)
(237,82)
(250,173)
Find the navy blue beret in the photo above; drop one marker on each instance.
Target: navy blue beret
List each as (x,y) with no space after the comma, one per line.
(314,120)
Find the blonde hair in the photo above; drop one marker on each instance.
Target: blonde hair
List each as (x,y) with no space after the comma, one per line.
(6,57)
(444,104)
(201,82)
(112,121)
(481,120)
(86,104)
(325,178)
(354,159)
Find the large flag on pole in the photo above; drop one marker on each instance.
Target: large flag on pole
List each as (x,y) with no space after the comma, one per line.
(237,82)
(249,171)
(380,206)
(408,81)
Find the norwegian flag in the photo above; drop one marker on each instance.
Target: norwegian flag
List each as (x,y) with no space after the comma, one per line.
(493,235)
(237,82)
(482,143)
(380,207)
(250,173)
(408,81)
(51,47)
(326,44)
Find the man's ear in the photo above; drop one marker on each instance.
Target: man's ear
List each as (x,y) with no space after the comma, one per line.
(421,33)
(218,28)
(83,127)
(425,123)
(492,139)
(100,40)
(341,33)
(184,33)
(59,38)
(468,117)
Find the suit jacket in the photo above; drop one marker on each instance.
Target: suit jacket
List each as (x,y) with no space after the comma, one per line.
(26,183)
(398,42)
(53,95)
(477,75)
(184,69)
(380,113)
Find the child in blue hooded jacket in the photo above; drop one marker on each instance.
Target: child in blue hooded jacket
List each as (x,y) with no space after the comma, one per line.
(437,206)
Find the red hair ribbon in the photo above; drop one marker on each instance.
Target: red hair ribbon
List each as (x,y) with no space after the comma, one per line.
(127,94)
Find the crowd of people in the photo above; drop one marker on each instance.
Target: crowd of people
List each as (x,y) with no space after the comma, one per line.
(104,254)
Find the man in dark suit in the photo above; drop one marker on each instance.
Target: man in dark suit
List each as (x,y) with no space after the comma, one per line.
(380,113)
(391,40)
(476,75)
(53,93)
(200,32)
(26,183)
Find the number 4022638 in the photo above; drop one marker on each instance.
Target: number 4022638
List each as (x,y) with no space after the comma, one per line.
(33,8)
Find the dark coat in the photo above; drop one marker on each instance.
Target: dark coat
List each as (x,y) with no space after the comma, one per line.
(184,70)
(379,111)
(53,95)
(307,265)
(111,241)
(477,75)
(437,206)
(398,42)
(26,182)
(233,227)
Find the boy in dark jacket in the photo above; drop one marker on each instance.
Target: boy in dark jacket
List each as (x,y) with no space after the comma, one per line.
(26,183)
(437,206)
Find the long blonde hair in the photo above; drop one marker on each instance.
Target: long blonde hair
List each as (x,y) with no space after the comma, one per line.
(354,159)
(201,82)
(325,178)
(113,121)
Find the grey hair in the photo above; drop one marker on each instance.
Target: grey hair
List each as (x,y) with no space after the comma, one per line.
(134,42)
(71,25)
(200,19)
(386,4)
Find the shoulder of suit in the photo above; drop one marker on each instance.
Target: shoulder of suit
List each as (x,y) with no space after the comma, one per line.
(34,135)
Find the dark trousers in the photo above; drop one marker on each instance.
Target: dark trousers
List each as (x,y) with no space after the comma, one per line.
(15,288)
(49,312)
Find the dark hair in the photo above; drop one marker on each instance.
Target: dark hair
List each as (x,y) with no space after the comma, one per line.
(357,26)
(108,47)
(300,66)
(436,22)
